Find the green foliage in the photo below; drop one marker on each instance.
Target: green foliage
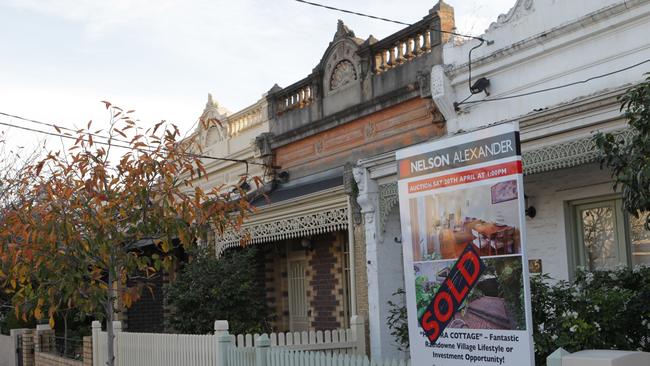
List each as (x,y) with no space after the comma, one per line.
(424,292)
(628,160)
(511,290)
(599,310)
(8,321)
(397,320)
(210,289)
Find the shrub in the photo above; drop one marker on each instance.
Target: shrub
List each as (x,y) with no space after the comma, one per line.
(598,310)
(210,289)
(397,320)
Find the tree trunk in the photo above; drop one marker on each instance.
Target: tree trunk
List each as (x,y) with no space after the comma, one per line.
(65,333)
(110,336)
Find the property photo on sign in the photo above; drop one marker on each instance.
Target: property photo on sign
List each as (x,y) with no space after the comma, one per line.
(465,264)
(451,293)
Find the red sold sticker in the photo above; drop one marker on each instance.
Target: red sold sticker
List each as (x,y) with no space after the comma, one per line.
(462,277)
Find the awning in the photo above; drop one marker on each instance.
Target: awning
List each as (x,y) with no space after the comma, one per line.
(565,154)
(308,207)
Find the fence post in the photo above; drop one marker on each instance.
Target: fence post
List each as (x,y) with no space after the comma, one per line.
(224,342)
(555,358)
(15,333)
(28,347)
(220,330)
(96,327)
(44,338)
(262,345)
(87,354)
(220,327)
(358,327)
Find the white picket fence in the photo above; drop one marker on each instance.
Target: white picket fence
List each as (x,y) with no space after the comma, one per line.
(264,355)
(223,349)
(338,341)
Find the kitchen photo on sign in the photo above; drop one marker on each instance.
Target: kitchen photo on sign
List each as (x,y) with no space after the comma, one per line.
(443,224)
(495,302)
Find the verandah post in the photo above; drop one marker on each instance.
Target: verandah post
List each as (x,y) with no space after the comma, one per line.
(358,327)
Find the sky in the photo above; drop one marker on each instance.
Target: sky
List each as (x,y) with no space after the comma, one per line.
(60,58)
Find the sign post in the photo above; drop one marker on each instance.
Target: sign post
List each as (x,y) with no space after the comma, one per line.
(465,267)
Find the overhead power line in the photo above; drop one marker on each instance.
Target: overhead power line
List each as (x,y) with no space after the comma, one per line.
(61,127)
(70,137)
(382,19)
(465,101)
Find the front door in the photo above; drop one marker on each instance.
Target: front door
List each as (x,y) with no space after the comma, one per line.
(298,307)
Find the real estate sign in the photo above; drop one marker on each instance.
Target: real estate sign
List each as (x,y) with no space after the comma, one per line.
(463,231)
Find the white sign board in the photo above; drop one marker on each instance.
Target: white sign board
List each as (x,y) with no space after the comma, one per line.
(466,272)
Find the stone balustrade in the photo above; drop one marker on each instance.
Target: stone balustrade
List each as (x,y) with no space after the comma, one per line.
(296,96)
(379,69)
(402,51)
(405,45)
(244,119)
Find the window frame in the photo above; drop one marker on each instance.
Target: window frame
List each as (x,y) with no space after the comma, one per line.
(576,253)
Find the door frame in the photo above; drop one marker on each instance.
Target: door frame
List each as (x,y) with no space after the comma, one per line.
(293,256)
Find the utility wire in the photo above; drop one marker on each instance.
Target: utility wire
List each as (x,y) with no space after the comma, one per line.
(60,127)
(352,12)
(69,137)
(380,18)
(554,87)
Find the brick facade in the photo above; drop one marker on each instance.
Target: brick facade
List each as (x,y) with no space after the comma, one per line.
(48,359)
(404,124)
(38,350)
(324,280)
(322,283)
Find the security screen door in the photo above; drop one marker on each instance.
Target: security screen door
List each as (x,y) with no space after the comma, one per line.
(298,307)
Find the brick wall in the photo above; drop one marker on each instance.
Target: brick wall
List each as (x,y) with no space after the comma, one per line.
(28,348)
(324,302)
(47,359)
(404,124)
(324,278)
(38,350)
(341,289)
(275,268)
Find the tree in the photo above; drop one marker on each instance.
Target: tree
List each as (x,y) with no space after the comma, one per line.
(12,167)
(70,238)
(630,160)
(211,288)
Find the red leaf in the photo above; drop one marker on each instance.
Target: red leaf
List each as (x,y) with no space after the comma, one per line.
(108,104)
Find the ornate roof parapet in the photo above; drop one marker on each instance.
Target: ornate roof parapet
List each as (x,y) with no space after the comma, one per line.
(247,118)
(413,41)
(218,124)
(354,72)
(213,120)
(342,31)
(521,8)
